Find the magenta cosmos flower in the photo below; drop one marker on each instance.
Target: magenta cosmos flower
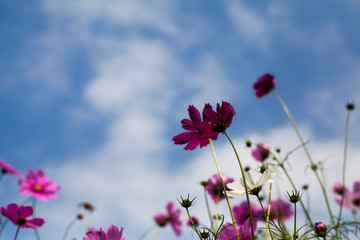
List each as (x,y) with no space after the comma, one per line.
(8,169)
(113,233)
(18,216)
(261,152)
(198,131)
(264,85)
(241,213)
(351,199)
(38,185)
(172,217)
(228,232)
(280,210)
(195,221)
(221,119)
(215,187)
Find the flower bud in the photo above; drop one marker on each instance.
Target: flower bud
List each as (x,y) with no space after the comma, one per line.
(320,229)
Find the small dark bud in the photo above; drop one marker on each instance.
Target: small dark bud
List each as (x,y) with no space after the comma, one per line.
(87,206)
(305,187)
(247,168)
(204,183)
(248,143)
(186,203)
(217,217)
(278,150)
(314,167)
(79,216)
(204,234)
(294,197)
(350,106)
(320,229)
(263,168)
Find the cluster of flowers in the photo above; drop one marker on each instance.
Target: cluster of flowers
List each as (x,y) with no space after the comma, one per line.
(201,130)
(39,187)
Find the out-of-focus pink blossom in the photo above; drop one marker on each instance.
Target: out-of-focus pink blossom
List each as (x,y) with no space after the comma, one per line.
(113,233)
(264,85)
(18,216)
(172,217)
(280,210)
(261,152)
(195,221)
(215,187)
(241,213)
(351,200)
(8,169)
(228,232)
(38,185)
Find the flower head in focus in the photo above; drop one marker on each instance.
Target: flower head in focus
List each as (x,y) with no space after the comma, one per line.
(8,169)
(198,132)
(38,185)
(172,217)
(215,187)
(18,216)
(264,85)
(261,152)
(254,183)
(320,229)
(221,119)
(280,210)
(113,233)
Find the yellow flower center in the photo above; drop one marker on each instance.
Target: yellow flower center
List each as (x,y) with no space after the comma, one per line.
(37,188)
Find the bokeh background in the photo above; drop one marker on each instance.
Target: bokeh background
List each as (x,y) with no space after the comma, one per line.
(93,91)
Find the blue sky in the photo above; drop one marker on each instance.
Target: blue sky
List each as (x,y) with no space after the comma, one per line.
(93,91)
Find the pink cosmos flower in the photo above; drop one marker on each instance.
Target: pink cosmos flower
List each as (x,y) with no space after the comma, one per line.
(172,217)
(221,119)
(351,199)
(198,131)
(280,210)
(241,213)
(113,233)
(6,168)
(261,152)
(215,187)
(38,185)
(18,216)
(228,232)
(195,220)
(264,85)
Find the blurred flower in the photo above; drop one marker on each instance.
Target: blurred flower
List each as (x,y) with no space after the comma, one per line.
(198,132)
(228,232)
(253,181)
(261,152)
(8,169)
(87,206)
(320,229)
(241,213)
(221,119)
(280,210)
(112,233)
(195,221)
(351,200)
(172,217)
(38,185)
(215,187)
(264,85)
(18,216)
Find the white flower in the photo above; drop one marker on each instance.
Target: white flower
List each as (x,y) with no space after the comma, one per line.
(254,183)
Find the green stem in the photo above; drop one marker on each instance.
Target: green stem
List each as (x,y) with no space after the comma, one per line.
(294,236)
(306,152)
(147,231)
(344,163)
(224,187)
(17,232)
(67,230)
(208,210)
(245,185)
(266,217)
(192,222)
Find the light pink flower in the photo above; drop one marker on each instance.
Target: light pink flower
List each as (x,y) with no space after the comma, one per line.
(351,199)
(18,216)
(280,210)
(195,221)
(8,169)
(261,152)
(113,233)
(38,185)
(264,85)
(172,217)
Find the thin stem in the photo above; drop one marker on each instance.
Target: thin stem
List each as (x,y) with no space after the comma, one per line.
(147,231)
(307,153)
(67,230)
(226,196)
(17,232)
(268,214)
(266,217)
(208,210)
(344,163)
(294,236)
(245,185)
(192,222)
